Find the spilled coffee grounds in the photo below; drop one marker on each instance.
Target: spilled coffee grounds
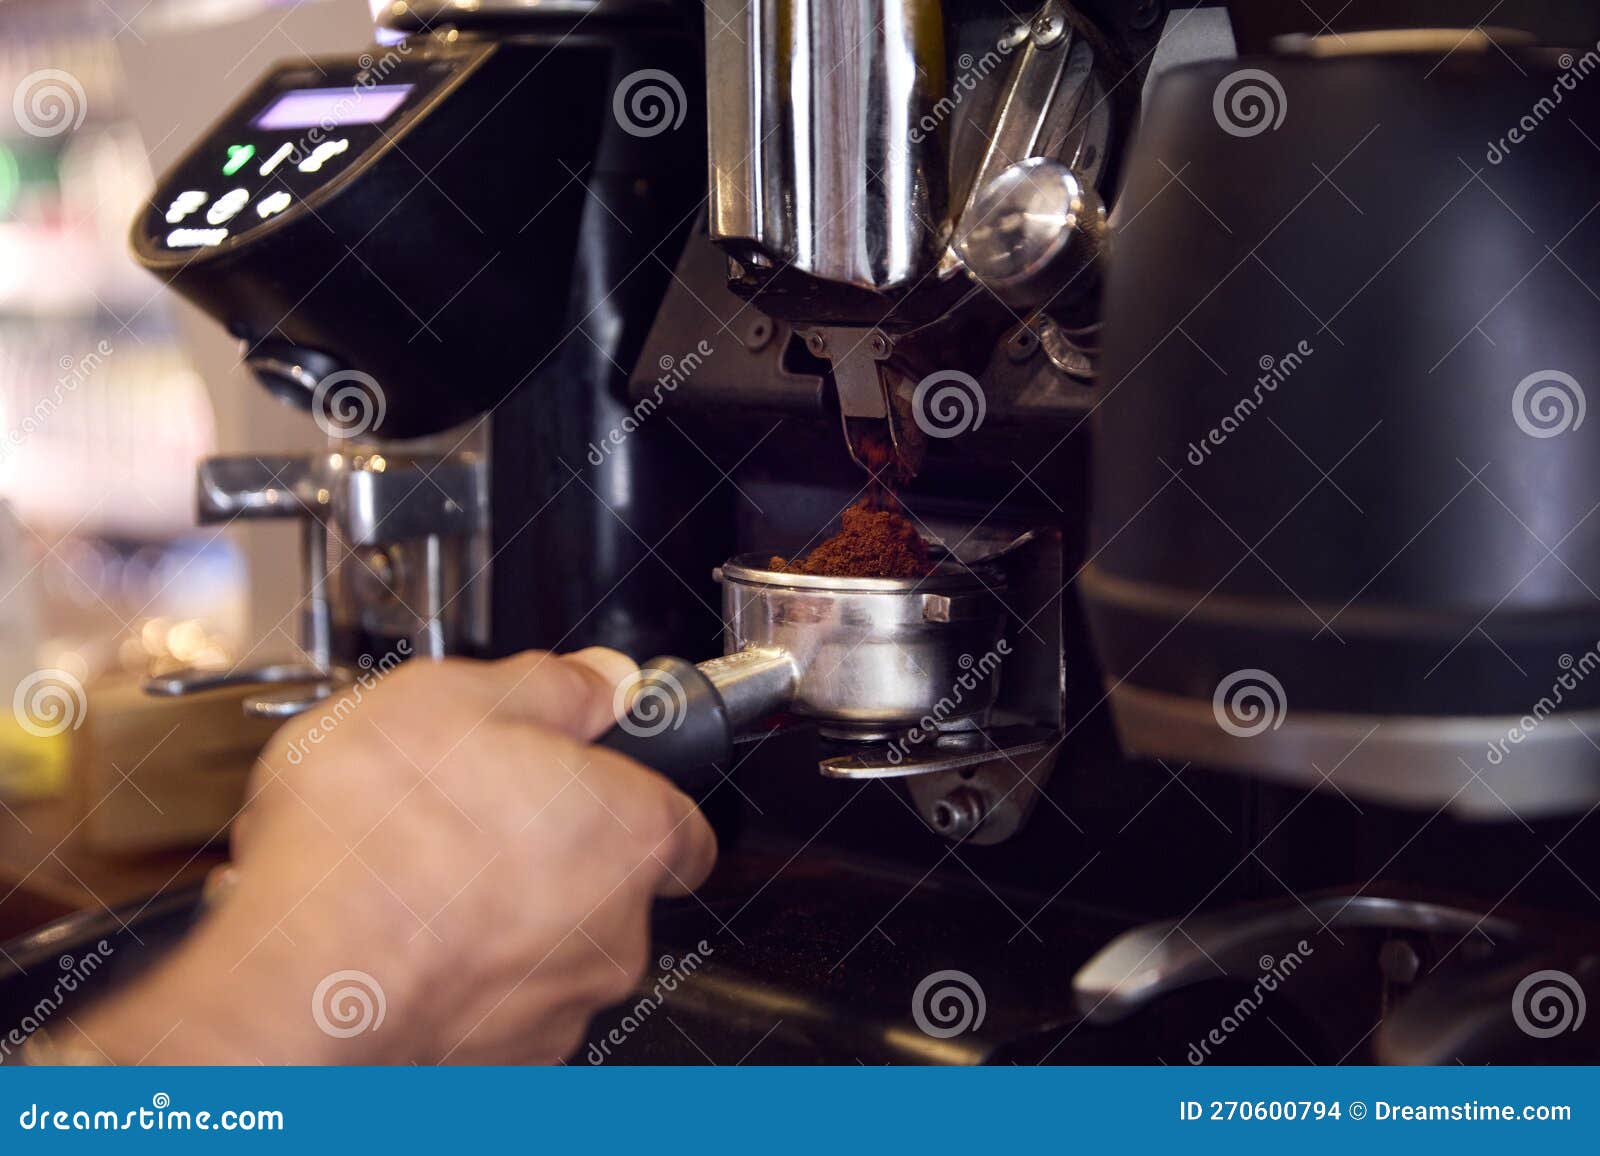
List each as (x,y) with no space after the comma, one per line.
(871,543)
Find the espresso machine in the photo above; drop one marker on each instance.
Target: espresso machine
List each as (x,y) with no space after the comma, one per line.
(1167,761)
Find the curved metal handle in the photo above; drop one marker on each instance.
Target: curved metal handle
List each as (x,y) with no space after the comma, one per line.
(1481,1012)
(314,684)
(1140,966)
(287,704)
(268,487)
(256,486)
(191,680)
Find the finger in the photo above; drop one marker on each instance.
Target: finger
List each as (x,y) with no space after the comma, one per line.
(674,847)
(689,851)
(239,832)
(575,694)
(613,667)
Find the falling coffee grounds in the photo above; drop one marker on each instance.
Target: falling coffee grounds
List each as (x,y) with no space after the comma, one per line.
(871,543)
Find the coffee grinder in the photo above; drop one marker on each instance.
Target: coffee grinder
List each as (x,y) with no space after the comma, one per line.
(889,252)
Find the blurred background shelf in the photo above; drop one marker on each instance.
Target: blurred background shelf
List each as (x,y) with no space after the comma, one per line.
(110,390)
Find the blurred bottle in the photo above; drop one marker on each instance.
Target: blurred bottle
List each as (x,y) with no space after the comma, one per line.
(41,708)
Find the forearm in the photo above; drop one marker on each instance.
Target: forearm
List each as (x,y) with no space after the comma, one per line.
(243,988)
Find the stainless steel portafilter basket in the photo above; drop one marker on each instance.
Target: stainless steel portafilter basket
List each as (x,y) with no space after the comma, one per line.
(864,657)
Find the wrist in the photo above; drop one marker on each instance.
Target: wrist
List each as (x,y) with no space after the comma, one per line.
(203,1005)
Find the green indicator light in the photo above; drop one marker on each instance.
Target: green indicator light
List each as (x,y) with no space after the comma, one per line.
(238,157)
(10,180)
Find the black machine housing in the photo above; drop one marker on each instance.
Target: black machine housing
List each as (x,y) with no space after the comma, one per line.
(428,250)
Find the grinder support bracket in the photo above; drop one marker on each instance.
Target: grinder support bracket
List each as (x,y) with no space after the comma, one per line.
(976,786)
(860,372)
(990,802)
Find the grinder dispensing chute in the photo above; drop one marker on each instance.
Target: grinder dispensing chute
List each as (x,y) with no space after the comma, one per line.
(885,220)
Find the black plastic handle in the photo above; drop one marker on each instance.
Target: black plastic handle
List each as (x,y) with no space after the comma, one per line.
(676,724)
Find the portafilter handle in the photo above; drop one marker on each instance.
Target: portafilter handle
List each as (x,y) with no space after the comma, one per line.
(682,718)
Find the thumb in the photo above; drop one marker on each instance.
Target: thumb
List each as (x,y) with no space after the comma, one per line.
(576,694)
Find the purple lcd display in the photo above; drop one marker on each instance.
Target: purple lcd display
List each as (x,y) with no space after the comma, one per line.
(332,107)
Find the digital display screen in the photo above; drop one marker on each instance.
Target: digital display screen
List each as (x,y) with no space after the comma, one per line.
(332,107)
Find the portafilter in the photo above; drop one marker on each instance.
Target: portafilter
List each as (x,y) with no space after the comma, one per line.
(862,657)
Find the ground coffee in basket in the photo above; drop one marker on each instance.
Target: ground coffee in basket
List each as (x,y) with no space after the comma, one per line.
(871,543)
(875,540)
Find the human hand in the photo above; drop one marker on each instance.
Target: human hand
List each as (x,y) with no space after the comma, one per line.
(450,835)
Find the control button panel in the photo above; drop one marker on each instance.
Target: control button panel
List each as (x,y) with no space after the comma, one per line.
(282,153)
(299,131)
(195,238)
(322,154)
(226,207)
(273,203)
(185,203)
(238,156)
